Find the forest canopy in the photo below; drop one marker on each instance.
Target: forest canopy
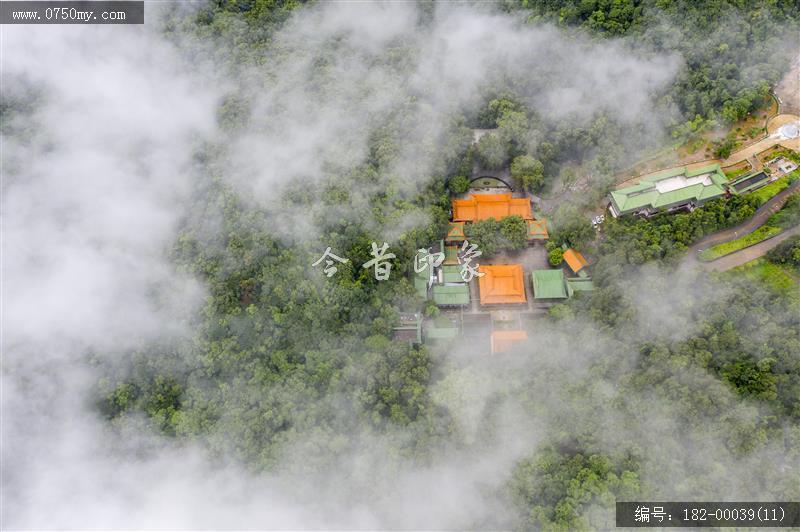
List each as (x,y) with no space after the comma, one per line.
(185,347)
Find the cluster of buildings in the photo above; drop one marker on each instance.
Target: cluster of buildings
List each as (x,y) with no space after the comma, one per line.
(513,287)
(493,305)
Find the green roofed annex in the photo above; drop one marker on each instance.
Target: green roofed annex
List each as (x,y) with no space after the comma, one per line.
(441,328)
(443,282)
(451,295)
(451,274)
(579,284)
(670,190)
(553,284)
(550,284)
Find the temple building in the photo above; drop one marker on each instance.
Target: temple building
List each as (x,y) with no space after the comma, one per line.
(502,284)
(670,190)
(484,206)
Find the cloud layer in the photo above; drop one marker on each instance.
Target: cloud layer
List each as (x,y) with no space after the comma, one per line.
(94,193)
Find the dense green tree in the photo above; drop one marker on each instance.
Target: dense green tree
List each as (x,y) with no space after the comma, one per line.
(493,235)
(485,234)
(787,252)
(571,226)
(751,379)
(789,215)
(725,147)
(122,398)
(514,231)
(492,151)
(513,128)
(458,184)
(554,488)
(665,237)
(728,69)
(527,172)
(163,401)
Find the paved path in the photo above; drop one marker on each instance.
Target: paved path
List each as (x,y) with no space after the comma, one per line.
(474,296)
(743,256)
(772,206)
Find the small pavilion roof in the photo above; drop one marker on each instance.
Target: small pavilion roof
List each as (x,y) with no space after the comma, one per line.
(575,260)
(537,229)
(455,232)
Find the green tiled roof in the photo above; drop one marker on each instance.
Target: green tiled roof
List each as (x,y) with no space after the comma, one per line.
(421,286)
(451,255)
(549,284)
(580,285)
(457,294)
(421,279)
(452,274)
(645,194)
(437,333)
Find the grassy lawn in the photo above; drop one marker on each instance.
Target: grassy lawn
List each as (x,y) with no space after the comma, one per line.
(762,233)
(774,275)
(765,193)
(733,174)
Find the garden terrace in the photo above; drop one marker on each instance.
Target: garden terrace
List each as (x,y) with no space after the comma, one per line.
(750,182)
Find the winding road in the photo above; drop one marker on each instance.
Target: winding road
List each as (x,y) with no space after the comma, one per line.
(743,256)
(761,215)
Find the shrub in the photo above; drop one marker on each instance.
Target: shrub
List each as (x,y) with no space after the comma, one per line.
(458,184)
(555,257)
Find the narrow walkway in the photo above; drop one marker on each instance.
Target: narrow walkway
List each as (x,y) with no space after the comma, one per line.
(474,296)
(772,206)
(743,256)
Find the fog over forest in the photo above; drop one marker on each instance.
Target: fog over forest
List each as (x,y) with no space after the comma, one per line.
(166,188)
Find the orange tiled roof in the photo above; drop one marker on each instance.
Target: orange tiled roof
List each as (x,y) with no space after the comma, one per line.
(502,340)
(575,260)
(537,229)
(483,206)
(503,283)
(455,231)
